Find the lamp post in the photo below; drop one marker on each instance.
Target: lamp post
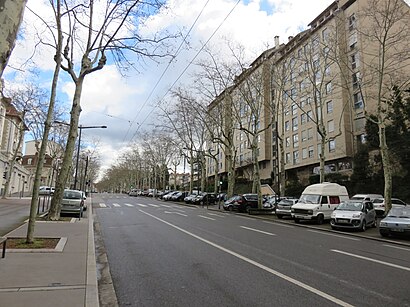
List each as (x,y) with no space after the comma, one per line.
(81,127)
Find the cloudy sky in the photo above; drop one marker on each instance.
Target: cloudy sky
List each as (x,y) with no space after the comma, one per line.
(125,104)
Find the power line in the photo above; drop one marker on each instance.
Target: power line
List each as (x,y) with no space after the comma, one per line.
(186,68)
(166,69)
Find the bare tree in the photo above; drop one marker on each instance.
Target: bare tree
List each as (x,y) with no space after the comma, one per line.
(89,38)
(385,65)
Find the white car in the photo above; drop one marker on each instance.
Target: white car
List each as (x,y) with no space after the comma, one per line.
(46,190)
(379,206)
(353,214)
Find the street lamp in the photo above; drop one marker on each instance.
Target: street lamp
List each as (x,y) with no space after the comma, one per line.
(81,127)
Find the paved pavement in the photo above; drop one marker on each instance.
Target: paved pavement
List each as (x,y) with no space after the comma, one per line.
(65,276)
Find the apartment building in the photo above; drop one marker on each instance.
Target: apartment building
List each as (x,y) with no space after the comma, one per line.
(10,120)
(323,81)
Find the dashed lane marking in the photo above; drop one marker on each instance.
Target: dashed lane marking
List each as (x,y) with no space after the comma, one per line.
(116,205)
(208,218)
(129,205)
(372,260)
(103,205)
(278,224)
(333,235)
(173,212)
(260,231)
(218,215)
(392,246)
(141,205)
(152,205)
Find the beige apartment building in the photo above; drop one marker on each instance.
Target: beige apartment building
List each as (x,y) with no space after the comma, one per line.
(322,83)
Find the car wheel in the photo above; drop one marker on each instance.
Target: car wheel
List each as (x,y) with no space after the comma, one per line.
(363,226)
(333,227)
(297,221)
(248,209)
(320,219)
(383,234)
(230,208)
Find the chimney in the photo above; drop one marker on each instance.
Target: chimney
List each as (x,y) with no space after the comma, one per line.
(276,41)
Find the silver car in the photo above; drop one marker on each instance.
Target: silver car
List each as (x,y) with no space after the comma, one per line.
(397,221)
(73,202)
(353,214)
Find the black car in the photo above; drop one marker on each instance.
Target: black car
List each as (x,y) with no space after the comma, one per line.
(229,203)
(205,199)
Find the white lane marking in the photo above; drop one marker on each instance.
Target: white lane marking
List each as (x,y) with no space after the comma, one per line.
(185,207)
(152,205)
(218,215)
(166,206)
(173,212)
(141,205)
(103,205)
(372,260)
(129,205)
(278,224)
(333,235)
(116,205)
(177,209)
(256,230)
(257,264)
(244,217)
(392,246)
(208,218)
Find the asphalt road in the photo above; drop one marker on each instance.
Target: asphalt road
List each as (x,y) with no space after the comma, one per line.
(161,253)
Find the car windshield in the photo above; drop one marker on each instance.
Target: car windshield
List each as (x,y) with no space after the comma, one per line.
(350,206)
(378,201)
(72,195)
(286,202)
(309,199)
(357,198)
(400,212)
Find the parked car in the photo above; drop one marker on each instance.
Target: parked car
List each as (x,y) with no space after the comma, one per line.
(188,199)
(379,206)
(73,202)
(397,222)
(272,202)
(354,214)
(165,193)
(366,197)
(169,195)
(133,192)
(179,196)
(46,190)
(246,202)
(318,201)
(229,203)
(284,207)
(205,198)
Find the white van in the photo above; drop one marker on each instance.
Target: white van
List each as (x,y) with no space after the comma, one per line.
(318,201)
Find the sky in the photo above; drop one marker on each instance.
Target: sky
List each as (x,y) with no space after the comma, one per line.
(126,104)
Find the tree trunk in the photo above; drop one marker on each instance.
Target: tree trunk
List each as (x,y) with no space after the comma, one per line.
(322,160)
(55,207)
(256,187)
(387,168)
(191,163)
(216,181)
(230,160)
(11,15)
(282,172)
(203,173)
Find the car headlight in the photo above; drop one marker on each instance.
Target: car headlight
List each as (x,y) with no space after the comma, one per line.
(310,212)
(332,216)
(292,210)
(357,215)
(383,224)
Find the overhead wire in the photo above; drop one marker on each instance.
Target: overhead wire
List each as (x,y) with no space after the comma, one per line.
(166,68)
(185,69)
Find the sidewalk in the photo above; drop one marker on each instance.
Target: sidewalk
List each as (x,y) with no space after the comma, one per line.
(62,277)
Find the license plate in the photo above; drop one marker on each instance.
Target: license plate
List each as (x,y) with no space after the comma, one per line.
(397,230)
(343,221)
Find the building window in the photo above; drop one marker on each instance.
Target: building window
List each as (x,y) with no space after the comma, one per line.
(309,116)
(352,22)
(287,126)
(332,145)
(354,60)
(310,152)
(304,153)
(356,80)
(294,124)
(327,70)
(358,101)
(29,161)
(304,136)
(287,157)
(293,91)
(325,35)
(328,87)
(329,107)
(294,109)
(295,140)
(287,141)
(353,40)
(295,157)
(331,125)
(310,134)
(302,118)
